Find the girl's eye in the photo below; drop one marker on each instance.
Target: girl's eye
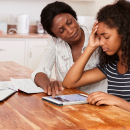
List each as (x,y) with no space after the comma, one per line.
(106,37)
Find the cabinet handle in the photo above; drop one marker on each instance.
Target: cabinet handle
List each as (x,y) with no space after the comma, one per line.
(2,49)
(30,53)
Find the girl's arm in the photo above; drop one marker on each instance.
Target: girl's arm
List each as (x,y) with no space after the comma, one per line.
(75,76)
(99,98)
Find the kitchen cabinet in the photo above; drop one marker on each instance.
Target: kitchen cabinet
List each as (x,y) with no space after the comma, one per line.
(24,51)
(12,50)
(36,48)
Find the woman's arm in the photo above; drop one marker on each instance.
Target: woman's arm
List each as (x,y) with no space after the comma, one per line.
(42,74)
(75,76)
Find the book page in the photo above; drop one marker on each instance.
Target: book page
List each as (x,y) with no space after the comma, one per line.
(26,85)
(3,85)
(11,86)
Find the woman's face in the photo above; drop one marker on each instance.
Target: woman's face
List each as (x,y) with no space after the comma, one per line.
(66,27)
(110,40)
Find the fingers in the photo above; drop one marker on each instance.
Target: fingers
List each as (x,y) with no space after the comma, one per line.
(94,30)
(53,88)
(101,102)
(46,88)
(95,24)
(56,86)
(61,88)
(49,89)
(96,98)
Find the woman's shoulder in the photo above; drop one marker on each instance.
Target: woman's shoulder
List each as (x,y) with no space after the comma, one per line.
(55,40)
(85,29)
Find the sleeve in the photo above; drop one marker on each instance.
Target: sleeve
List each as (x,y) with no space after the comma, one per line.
(103,69)
(48,60)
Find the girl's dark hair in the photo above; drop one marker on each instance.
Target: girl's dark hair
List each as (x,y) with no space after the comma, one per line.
(50,11)
(117,16)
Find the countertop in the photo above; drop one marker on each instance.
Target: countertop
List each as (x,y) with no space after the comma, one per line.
(24,111)
(30,35)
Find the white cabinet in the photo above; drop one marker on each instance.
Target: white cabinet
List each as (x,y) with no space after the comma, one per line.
(12,50)
(36,48)
(26,52)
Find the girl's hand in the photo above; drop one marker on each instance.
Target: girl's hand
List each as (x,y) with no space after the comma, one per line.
(93,39)
(99,98)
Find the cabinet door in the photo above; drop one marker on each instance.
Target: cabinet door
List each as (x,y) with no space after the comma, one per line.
(36,51)
(12,50)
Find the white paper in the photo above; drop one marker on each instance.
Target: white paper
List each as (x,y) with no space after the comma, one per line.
(3,85)
(11,86)
(26,85)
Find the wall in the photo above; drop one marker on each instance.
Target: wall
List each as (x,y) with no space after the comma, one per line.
(10,9)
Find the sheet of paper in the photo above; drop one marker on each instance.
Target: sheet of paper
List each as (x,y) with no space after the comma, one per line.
(3,85)
(11,86)
(26,85)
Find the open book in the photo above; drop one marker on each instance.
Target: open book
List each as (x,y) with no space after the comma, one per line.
(25,85)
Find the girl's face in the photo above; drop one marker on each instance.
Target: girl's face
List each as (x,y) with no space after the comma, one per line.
(66,27)
(110,40)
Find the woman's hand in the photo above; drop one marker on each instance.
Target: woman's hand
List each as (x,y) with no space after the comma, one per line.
(93,39)
(53,88)
(99,98)
(50,87)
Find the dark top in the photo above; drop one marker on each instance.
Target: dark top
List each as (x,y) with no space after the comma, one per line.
(118,84)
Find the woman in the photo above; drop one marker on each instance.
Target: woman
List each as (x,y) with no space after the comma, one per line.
(112,34)
(67,42)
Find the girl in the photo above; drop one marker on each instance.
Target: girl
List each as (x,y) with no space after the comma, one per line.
(111,35)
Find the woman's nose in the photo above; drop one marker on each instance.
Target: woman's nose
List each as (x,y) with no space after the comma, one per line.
(69,30)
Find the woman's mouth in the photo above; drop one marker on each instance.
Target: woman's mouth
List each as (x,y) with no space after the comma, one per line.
(75,35)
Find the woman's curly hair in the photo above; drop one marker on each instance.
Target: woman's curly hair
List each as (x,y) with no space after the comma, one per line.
(117,16)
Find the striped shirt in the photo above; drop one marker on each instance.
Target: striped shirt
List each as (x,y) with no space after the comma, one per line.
(58,53)
(118,84)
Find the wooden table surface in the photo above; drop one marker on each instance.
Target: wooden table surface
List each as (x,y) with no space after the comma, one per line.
(28,112)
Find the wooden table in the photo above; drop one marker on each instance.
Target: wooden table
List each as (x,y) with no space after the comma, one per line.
(28,112)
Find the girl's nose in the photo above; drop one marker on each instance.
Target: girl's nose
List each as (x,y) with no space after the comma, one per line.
(101,42)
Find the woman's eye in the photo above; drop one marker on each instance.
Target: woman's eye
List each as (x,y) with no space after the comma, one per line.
(62,31)
(69,22)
